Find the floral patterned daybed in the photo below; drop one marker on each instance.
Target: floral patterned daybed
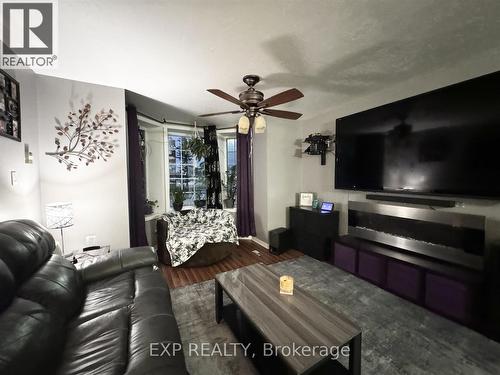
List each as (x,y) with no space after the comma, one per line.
(198,238)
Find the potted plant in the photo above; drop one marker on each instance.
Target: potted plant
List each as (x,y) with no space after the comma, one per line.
(200,200)
(196,145)
(177,198)
(149,206)
(230,187)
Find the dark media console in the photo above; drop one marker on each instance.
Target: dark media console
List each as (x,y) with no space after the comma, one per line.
(436,259)
(313,231)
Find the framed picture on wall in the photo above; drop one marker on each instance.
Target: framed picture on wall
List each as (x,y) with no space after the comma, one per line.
(15,129)
(10,107)
(306,199)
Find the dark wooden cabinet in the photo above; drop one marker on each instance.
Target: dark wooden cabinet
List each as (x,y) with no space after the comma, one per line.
(313,232)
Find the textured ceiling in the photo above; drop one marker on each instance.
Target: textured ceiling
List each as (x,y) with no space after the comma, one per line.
(332,50)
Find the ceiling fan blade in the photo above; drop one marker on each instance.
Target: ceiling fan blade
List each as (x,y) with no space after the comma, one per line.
(223,95)
(282,114)
(281,98)
(219,113)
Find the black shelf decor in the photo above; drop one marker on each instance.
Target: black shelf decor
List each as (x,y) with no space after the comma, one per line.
(10,107)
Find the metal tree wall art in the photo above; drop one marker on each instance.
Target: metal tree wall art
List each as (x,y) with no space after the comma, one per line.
(85,139)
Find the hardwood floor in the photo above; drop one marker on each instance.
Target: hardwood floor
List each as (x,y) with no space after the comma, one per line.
(241,257)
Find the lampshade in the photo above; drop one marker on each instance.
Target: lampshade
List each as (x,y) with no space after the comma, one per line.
(243,125)
(59,215)
(260,124)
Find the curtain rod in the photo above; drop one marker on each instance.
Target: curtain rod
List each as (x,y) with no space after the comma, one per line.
(163,121)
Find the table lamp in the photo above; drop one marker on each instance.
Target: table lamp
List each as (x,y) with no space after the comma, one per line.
(59,216)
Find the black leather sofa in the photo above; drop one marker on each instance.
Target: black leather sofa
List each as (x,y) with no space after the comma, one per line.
(55,319)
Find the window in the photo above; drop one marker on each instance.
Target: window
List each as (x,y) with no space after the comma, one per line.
(185,171)
(231,153)
(228,162)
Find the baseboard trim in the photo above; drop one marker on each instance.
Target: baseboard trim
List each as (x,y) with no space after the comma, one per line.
(260,242)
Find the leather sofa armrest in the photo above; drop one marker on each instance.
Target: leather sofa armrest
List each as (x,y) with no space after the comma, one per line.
(119,261)
(162,233)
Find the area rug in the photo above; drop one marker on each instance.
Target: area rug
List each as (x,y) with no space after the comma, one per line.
(398,336)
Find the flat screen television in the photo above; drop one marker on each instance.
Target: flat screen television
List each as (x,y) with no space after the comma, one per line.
(444,142)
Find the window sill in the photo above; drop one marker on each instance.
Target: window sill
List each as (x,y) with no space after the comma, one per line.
(152,216)
(190,208)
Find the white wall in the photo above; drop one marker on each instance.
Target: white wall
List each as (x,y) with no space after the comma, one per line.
(284,170)
(99,191)
(320,179)
(277,174)
(260,185)
(22,200)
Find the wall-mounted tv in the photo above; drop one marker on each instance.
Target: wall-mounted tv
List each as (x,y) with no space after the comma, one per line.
(444,142)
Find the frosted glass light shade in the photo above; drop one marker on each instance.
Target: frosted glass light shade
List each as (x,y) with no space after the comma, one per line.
(59,215)
(243,125)
(260,124)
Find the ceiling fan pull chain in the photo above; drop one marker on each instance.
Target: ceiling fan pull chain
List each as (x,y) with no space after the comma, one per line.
(250,133)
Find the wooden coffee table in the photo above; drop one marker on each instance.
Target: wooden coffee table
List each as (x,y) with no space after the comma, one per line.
(284,320)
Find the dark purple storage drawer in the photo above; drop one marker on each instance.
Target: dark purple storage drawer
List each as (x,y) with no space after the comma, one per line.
(344,257)
(449,297)
(372,267)
(405,280)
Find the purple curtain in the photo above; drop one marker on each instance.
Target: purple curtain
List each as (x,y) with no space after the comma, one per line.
(136,197)
(245,221)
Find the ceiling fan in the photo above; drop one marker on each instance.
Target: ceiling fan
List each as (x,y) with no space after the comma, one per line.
(253,105)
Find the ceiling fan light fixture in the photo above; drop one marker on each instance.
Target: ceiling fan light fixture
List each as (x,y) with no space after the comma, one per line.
(243,125)
(260,124)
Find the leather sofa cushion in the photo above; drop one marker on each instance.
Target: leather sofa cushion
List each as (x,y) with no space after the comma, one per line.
(119,261)
(147,278)
(107,295)
(153,322)
(13,254)
(98,346)
(7,286)
(122,290)
(145,298)
(31,338)
(57,286)
(25,246)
